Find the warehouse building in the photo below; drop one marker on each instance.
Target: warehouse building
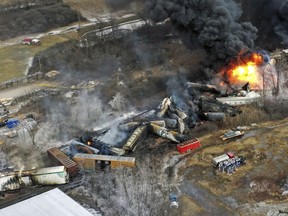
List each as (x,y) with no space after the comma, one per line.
(53,202)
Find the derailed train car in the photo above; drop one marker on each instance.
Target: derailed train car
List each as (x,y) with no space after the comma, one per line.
(60,158)
(50,176)
(8,183)
(135,138)
(14,180)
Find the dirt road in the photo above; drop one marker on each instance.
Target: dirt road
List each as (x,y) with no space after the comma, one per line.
(210,203)
(22,90)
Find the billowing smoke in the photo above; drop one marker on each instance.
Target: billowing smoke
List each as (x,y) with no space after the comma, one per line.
(216,23)
(3,160)
(114,136)
(118,4)
(281,27)
(271,19)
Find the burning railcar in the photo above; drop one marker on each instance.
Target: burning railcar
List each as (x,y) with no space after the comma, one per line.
(254,67)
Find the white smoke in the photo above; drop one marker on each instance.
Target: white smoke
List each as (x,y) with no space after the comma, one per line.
(3,160)
(89,111)
(114,136)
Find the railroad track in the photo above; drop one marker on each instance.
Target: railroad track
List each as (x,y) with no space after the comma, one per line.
(29,192)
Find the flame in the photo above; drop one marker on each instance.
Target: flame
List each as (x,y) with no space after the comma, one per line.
(246,70)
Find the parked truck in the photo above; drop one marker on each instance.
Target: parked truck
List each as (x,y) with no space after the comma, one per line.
(228,162)
(31,41)
(217,160)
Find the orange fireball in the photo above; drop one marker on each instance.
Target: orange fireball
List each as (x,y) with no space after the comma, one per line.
(246,70)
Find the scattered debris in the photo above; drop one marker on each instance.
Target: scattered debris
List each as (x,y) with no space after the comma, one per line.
(51,75)
(241,97)
(117,151)
(202,87)
(11,134)
(207,105)
(284,188)
(174,203)
(214,116)
(253,124)
(11,123)
(3,114)
(241,128)
(232,134)
(7,102)
(71,94)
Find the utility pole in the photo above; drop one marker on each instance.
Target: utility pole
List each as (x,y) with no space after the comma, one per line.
(79,22)
(40,65)
(263,80)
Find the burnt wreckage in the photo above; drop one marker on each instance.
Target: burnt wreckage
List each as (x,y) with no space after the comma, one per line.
(172,120)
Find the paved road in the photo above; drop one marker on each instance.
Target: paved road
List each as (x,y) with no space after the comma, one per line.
(22,90)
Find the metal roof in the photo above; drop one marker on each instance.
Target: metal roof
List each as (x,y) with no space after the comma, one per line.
(53,202)
(104,157)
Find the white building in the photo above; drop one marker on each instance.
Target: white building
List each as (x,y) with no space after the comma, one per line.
(53,202)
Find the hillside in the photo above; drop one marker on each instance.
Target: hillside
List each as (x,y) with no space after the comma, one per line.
(93,9)
(28,18)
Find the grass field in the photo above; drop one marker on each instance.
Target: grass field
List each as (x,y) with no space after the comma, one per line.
(265,149)
(14,59)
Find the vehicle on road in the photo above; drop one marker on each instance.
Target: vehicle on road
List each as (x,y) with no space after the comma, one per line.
(31,41)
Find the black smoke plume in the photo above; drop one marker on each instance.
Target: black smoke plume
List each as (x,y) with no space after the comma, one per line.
(271,19)
(215,22)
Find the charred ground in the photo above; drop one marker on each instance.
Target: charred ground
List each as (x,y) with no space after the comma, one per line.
(145,66)
(138,64)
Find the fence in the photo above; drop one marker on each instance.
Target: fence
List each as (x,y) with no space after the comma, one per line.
(22,80)
(29,95)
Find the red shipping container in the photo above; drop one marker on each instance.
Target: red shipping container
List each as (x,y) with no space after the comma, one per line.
(188,145)
(61,159)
